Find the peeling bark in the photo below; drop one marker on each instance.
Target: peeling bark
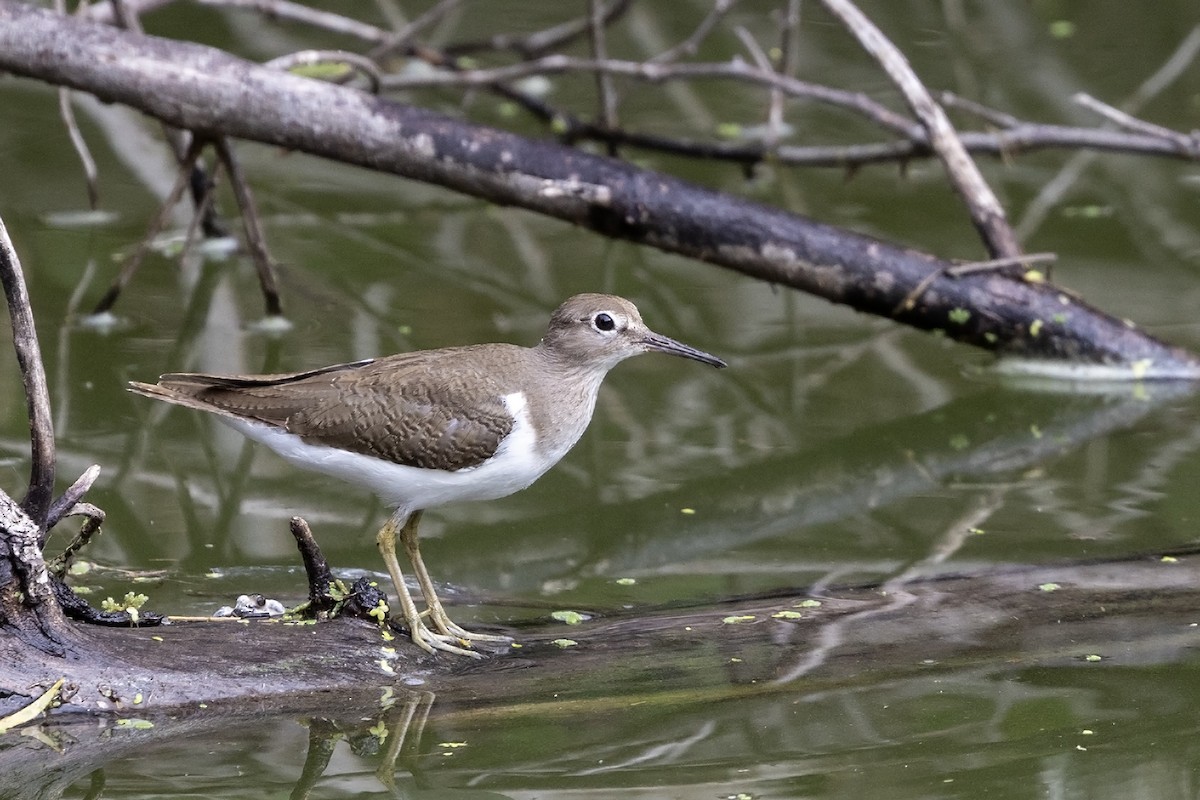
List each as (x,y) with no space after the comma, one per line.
(29,612)
(216,94)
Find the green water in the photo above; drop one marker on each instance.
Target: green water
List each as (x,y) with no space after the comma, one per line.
(836,448)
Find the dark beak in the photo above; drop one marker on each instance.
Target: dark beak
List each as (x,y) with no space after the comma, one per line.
(664,344)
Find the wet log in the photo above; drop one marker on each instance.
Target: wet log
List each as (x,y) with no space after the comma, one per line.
(1113,612)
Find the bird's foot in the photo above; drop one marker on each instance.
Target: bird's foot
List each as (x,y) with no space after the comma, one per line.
(431,642)
(449,627)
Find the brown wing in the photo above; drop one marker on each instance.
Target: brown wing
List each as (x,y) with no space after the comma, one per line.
(394,408)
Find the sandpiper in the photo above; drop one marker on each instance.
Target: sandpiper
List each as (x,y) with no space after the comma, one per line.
(436,426)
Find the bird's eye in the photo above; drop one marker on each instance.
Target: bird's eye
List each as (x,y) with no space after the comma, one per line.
(604,322)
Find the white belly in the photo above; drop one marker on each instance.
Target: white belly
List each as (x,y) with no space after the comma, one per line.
(516,464)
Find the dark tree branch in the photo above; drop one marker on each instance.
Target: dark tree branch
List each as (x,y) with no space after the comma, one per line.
(316,568)
(37,397)
(255,240)
(214,93)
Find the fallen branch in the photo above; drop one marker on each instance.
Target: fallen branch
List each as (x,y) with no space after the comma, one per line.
(213,93)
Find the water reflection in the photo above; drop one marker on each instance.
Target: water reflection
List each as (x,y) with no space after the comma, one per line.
(928,683)
(928,730)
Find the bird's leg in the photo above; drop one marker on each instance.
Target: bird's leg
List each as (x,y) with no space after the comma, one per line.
(441,620)
(421,635)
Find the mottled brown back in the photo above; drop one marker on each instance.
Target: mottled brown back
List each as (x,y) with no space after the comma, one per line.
(436,409)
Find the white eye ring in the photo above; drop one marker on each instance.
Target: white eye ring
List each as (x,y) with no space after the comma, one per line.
(604,322)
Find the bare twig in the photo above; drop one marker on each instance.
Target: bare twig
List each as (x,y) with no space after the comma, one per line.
(773,127)
(1177,64)
(998,118)
(540,42)
(399,40)
(79,144)
(1020,137)
(63,505)
(126,16)
(604,84)
(691,44)
(77,141)
(985,209)
(754,49)
(1132,123)
(788,45)
(93,518)
(320,577)
(125,13)
(255,240)
(1023,137)
(657,73)
(972,267)
(33,374)
(295,12)
(1028,137)
(90,174)
(134,261)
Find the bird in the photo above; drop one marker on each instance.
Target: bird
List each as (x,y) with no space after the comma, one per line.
(425,428)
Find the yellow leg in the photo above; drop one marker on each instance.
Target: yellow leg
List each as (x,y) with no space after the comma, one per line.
(441,620)
(421,635)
